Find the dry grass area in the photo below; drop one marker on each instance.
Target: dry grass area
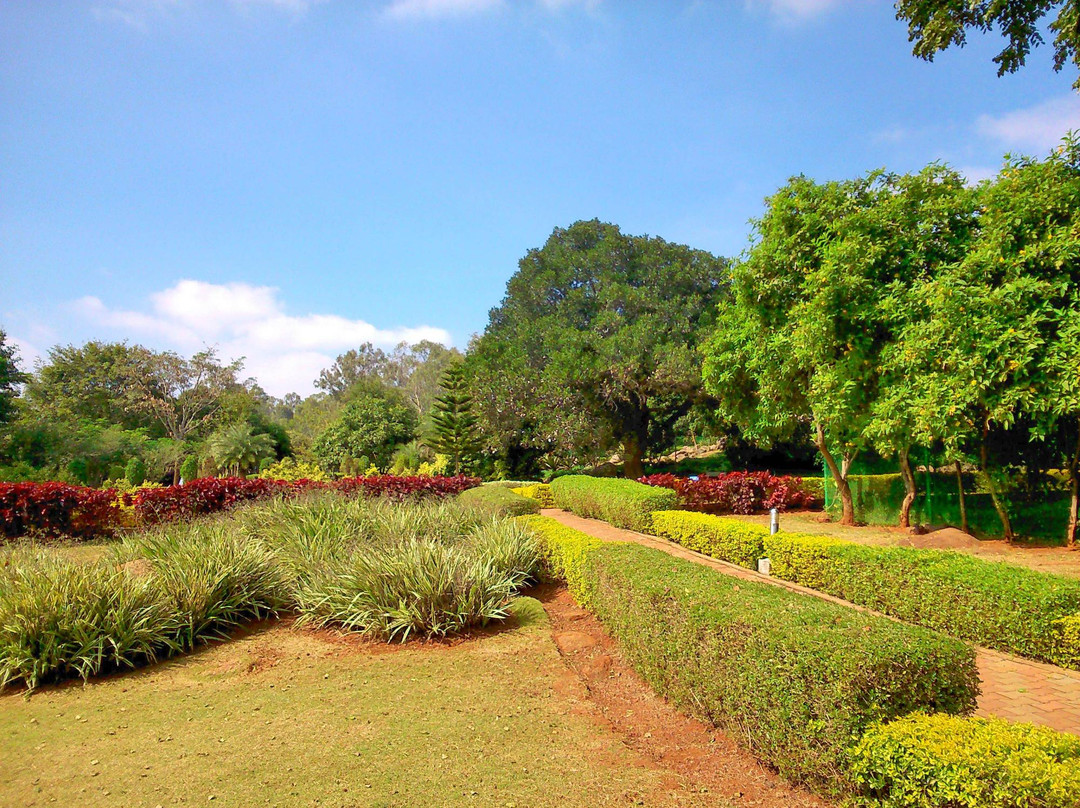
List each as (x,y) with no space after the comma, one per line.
(286,717)
(1057,560)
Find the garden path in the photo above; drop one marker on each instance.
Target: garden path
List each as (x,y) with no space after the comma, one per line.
(1013,688)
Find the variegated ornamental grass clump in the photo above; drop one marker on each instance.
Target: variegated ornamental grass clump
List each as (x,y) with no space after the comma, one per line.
(388,570)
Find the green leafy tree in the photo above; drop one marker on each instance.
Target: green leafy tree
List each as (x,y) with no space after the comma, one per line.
(790,347)
(1009,319)
(593,348)
(11,377)
(365,362)
(454,425)
(90,382)
(923,224)
(189,469)
(935,25)
(371,425)
(237,448)
(135,472)
(179,394)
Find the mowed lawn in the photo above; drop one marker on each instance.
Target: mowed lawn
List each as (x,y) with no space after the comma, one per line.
(288,717)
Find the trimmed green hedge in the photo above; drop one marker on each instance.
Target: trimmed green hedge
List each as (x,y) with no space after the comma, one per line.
(499,500)
(797,679)
(990,603)
(623,503)
(728,539)
(940,761)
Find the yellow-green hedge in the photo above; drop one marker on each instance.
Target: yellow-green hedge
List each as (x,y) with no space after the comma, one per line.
(996,604)
(565,552)
(721,537)
(942,761)
(541,492)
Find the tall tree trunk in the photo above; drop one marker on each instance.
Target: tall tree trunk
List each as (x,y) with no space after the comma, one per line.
(842,487)
(633,457)
(963,500)
(1074,498)
(909,488)
(1003,515)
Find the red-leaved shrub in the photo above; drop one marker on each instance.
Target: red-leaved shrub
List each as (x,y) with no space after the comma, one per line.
(740,492)
(57,509)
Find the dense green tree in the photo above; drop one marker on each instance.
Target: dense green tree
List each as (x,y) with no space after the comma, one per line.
(135,471)
(819,302)
(454,430)
(179,394)
(11,377)
(924,224)
(593,348)
(789,345)
(1009,321)
(237,448)
(367,361)
(934,25)
(371,425)
(90,382)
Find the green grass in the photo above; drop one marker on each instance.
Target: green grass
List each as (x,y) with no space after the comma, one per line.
(289,718)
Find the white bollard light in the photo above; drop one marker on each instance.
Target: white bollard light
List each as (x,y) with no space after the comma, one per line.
(774,522)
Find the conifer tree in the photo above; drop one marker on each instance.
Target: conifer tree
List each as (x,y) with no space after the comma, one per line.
(454,430)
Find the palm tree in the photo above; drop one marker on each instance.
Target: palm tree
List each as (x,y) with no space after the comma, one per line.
(237,448)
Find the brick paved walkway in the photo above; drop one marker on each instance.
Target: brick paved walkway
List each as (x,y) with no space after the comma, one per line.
(1013,688)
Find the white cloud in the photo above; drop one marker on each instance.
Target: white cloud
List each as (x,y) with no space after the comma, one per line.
(284,352)
(28,354)
(796,10)
(1037,128)
(430,9)
(436,9)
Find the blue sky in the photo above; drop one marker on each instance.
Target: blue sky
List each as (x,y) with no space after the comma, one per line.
(288,178)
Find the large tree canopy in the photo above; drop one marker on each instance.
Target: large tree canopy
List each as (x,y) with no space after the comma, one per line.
(371,426)
(819,299)
(594,345)
(934,25)
(88,383)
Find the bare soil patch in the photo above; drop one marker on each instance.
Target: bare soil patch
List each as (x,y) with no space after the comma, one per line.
(709,763)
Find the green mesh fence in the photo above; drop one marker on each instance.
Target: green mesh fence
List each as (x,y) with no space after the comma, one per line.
(878,498)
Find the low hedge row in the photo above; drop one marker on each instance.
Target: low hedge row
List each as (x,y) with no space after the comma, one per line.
(728,539)
(499,500)
(932,761)
(56,509)
(623,503)
(741,492)
(1032,614)
(797,679)
(541,492)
